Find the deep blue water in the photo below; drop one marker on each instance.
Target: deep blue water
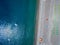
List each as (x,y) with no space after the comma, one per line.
(17,22)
